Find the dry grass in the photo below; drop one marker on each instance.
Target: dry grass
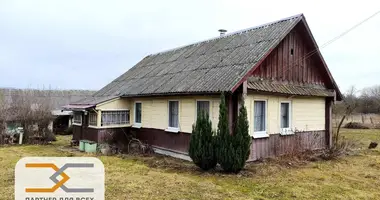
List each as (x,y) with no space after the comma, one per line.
(130,177)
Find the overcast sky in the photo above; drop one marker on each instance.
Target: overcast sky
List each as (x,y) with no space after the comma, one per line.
(85,44)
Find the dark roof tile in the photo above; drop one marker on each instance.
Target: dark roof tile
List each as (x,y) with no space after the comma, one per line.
(215,65)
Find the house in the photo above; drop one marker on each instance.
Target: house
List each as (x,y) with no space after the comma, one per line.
(276,68)
(16,103)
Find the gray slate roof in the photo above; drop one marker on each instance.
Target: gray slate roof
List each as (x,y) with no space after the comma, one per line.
(215,65)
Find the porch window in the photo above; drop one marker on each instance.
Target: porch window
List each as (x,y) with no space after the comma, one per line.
(173,114)
(110,118)
(260,115)
(138,113)
(285,115)
(203,106)
(77,119)
(92,119)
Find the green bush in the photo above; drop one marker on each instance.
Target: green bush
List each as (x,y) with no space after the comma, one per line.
(223,145)
(201,149)
(232,150)
(242,140)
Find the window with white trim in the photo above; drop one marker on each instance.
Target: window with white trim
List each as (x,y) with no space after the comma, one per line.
(173,114)
(138,112)
(259,118)
(77,119)
(285,115)
(93,119)
(203,106)
(110,118)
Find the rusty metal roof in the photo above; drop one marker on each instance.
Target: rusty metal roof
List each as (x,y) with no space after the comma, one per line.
(260,85)
(214,65)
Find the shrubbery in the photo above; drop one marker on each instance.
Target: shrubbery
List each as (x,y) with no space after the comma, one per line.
(231,151)
(201,149)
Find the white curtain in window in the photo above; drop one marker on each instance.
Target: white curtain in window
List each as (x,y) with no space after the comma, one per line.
(138,113)
(259,121)
(115,117)
(173,114)
(203,106)
(285,115)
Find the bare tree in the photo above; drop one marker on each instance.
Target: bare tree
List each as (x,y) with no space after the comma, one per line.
(370,100)
(2,113)
(346,108)
(32,109)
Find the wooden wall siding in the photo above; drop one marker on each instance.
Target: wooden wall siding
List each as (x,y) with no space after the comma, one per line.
(97,135)
(282,66)
(155,111)
(277,145)
(160,138)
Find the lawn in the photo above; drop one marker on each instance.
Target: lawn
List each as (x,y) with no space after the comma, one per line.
(131,177)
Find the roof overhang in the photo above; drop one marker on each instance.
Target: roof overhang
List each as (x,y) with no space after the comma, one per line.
(77,107)
(283,88)
(61,112)
(89,103)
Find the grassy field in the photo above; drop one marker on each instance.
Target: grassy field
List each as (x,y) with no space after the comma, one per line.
(351,177)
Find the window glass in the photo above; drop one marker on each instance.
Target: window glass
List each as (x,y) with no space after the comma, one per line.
(115,117)
(259,116)
(173,114)
(285,118)
(92,119)
(203,106)
(137,112)
(77,118)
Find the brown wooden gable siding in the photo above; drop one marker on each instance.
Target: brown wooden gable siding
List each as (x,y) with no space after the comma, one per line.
(282,66)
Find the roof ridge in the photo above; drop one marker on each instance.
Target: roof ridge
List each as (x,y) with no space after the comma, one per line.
(231,34)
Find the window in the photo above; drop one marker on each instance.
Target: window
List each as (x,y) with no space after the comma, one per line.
(203,106)
(77,118)
(259,119)
(93,119)
(137,113)
(173,114)
(110,118)
(285,111)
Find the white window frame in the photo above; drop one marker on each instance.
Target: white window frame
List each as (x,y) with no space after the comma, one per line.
(96,117)
(135,124)
(114,125)
(260,134)
(288,130)
(81,119)
(196,108)
(173,129)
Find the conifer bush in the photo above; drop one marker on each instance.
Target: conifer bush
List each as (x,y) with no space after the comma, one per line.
(201,149)
(232,151)
(242,140)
